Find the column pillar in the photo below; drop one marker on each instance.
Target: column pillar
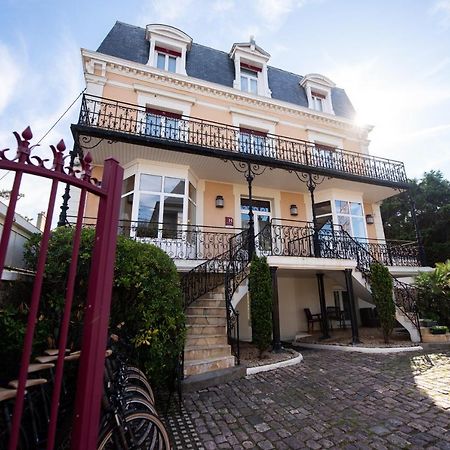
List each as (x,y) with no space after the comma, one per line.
(311,187)
(352,305)
(251,222)
(323,306)
(275,311)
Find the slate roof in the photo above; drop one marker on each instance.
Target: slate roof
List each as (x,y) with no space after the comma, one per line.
(128,42)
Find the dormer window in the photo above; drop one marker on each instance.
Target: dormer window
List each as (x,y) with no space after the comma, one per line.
(250,63)
(249,80)
(318,91)
(168,48)
(317,101)
(166,59)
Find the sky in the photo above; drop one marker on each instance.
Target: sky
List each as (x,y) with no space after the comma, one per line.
(391,56)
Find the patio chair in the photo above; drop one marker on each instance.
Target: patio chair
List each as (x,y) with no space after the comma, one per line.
(334,313)
(312,319)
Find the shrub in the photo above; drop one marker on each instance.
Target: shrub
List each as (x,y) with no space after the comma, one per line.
(434,293)
(382,285)
(146,299)
(260,289)
(438,329)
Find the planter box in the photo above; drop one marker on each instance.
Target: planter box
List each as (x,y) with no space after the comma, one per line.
(427,337)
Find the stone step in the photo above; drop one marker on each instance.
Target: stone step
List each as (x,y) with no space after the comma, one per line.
(205,320)
(206,352)
(208,302)
(206,311)
(195,367)
(215,339)
(206,330)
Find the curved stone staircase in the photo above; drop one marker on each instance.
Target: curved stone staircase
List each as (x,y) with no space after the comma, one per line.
(207,348)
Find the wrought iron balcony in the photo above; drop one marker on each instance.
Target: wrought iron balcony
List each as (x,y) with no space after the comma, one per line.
(132,123)
(181,241)
(297,238)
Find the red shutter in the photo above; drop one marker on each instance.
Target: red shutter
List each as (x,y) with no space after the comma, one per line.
(250,67)
(159,112)
(318,95)
(254,132)
(167,51)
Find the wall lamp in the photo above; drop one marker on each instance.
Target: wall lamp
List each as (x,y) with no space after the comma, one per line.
(219,201)
(294,210)
(369,219)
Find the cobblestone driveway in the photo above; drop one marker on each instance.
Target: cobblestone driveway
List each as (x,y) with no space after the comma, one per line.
(331,400)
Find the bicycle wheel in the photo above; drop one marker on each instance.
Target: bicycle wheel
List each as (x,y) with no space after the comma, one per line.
(135,378)
(135,402)
(141,430)
(135,390)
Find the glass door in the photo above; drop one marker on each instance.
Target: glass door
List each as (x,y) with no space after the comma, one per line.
(261,217)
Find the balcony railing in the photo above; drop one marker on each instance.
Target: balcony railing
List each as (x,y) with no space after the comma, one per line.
(298,239)
(181,241)
(220,140)
(281,237)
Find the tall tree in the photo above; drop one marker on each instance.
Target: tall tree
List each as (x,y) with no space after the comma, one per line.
(432,200)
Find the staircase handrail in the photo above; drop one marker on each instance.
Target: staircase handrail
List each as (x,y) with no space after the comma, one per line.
(400,288)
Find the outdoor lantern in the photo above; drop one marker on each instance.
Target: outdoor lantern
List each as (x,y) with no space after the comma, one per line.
(294,210)
(219,201)
(369,219)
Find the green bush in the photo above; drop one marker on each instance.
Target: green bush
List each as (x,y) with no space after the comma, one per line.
(146,299)
(260,289)
(434,293)
(438,329)
(381,285)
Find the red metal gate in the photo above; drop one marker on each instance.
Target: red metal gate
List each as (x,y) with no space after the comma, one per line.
(91,369)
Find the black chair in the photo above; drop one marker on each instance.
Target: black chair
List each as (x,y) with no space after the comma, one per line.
(312,319)
(334,313)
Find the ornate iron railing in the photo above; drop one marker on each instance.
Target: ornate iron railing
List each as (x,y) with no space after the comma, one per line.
(234,276)
(297,238)
(223,140)
(181,241)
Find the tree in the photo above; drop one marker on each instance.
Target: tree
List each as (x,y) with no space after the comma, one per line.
(432,201)
(260,289)
(381,285)
(434,293)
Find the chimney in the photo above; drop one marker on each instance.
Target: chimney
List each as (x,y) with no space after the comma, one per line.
(40,223)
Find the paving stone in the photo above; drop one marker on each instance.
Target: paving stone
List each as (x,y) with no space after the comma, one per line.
(366,401)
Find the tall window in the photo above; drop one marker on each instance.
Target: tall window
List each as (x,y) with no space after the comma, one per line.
(126,206)
(350,217)
(254,142)
(317,101)
(249,80)
(324,155)
(163,124)
(166,59)
(161,205)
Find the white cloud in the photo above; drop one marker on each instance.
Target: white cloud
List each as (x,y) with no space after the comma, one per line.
(10,76)
(50,88)
(155,11)
(221,6)
(441,9)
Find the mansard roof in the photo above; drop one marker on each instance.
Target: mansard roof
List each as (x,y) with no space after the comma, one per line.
(129,42)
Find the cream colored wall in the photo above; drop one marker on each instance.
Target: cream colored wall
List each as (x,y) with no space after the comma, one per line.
(371,230)
(122,87)
(296,293)
(91,208)
(216,216)
(245,330)
(291,198)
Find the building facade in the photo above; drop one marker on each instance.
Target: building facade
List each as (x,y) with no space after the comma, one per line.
(226,156)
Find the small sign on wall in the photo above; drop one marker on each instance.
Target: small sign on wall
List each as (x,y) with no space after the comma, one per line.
(228,221)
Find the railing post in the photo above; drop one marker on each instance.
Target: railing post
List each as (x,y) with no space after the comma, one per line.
(351,301)
(91,370)
(251,223)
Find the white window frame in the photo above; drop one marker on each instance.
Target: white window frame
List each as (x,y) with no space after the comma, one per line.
(166,61)
(336,214)
(249,75)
